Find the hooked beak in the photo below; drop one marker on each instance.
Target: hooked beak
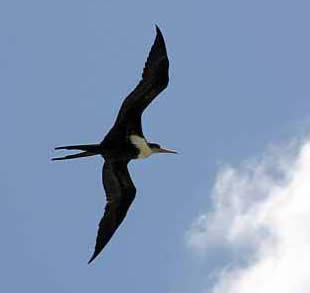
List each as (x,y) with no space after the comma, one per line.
(161,150)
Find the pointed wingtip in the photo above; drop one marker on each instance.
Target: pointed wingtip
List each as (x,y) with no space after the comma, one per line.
(95,254)
(158,31)
(92,258)
(159,36)
(89,262)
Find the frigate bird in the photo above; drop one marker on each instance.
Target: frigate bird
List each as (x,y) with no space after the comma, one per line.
(125,141)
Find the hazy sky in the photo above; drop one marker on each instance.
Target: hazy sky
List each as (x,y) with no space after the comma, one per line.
(239,83)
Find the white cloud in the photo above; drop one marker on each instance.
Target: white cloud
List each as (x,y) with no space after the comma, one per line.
(261,215)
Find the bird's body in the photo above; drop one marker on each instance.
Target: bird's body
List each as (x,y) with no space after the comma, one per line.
(125,141)
(141,145)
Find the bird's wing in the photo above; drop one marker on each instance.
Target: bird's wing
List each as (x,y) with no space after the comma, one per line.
(120,192)
(154,80)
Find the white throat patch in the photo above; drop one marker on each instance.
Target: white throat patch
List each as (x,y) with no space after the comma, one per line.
(141,144)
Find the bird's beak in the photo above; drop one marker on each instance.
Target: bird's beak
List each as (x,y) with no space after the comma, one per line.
(161,150)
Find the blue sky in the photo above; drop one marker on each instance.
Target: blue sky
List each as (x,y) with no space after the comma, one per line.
(239,81)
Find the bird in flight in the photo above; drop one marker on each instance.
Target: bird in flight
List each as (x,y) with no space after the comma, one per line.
(124,142)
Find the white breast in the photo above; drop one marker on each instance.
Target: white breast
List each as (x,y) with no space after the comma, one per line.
(141,144)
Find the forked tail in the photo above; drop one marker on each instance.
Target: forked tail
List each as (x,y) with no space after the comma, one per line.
(88,150)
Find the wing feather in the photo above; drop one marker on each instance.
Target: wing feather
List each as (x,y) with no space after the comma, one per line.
(120,193)
(155,79)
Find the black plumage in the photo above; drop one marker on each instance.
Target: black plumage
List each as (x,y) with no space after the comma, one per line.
(125,141)
(120,193)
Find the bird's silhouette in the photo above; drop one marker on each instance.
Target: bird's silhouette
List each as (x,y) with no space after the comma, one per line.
(125,141)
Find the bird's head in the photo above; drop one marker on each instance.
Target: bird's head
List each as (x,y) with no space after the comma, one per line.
(156,148)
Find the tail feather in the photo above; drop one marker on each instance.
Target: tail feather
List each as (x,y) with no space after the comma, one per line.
(79,155)
(88,150)
(94,148)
